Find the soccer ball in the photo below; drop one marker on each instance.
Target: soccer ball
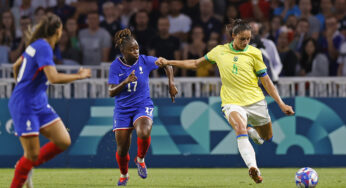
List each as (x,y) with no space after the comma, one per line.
(306,178)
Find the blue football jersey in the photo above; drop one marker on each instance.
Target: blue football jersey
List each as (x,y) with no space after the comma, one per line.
(29,95)
(135,94)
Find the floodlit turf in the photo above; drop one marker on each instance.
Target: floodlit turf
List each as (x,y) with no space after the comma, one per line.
(211,177)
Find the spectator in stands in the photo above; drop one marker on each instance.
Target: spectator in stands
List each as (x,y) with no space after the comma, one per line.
(19,44)
(126,12)
(257,9)
(314,25)
(72,31)
(164,44)
(340,9)
(4,49)
(288,56)
(326,10)
(291,22)
(312,62)
(63,10)
(300,35)
(289,8)
(211,26)
(195,49)
(180,24)
(7,23)
(163,11)
(25,8)
(38,15)
(95,42)
(268,50)
(112,24)
(331,42)
(142,31)
(275,25)
(70,55)
(191,9)
(342,60)
(231,13)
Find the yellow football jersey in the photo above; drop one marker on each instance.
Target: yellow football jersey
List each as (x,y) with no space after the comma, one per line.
(238,71)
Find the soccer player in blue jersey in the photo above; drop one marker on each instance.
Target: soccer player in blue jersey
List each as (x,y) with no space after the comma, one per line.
(29,106)
(129,84)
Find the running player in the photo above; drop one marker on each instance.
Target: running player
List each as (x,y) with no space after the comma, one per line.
(129,83)
(243,102)
(29,106)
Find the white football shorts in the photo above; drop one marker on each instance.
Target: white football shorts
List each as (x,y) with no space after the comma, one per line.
(254,114)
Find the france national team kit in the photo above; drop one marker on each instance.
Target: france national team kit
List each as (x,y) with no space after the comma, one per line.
(28,104)
(134,101)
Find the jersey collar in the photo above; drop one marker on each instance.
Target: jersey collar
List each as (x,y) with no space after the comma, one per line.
(234,50)
(127,64)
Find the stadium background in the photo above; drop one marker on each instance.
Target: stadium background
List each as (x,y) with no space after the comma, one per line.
(191,132)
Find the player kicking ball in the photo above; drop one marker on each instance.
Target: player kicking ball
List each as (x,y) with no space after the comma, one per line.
(243,102)
(129,84)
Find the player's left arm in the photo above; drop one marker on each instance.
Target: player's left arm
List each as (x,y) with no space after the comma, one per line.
(172,89)
(270,88)
(16,67)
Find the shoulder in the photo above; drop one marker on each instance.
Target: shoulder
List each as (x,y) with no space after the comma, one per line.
(253,51)
(321,56)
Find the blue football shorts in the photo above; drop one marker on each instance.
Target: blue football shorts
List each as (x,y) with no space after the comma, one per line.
(30,124)
(126,119)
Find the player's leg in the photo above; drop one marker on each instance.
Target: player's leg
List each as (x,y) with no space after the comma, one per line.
(238,120)
(123,139)
(31,147)
(59,138)
(143,126)
(265,131)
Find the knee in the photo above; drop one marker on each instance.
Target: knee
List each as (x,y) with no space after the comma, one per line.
(121,151)
(64,144)
(143,132)
(32,156)
(240,129)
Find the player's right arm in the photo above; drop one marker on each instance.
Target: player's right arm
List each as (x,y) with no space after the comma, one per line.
(185,64)
(16,67)
(59,78)
(115,89)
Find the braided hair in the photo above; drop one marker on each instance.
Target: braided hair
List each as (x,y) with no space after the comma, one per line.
(239,25)
(46,28)
(122,37)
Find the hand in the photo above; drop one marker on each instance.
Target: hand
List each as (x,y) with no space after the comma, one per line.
(131,78)
(161,62)
(173,91)
(287,109)
(84,73)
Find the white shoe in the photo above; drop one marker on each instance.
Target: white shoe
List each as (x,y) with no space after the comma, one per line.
(28,183)
(255,136)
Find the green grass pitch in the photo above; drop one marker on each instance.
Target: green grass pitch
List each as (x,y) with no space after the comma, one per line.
(175,177)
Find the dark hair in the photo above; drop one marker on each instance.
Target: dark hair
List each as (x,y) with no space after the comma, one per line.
(305,61)
(122,37)
(239,25)
(38,9)
(46,28)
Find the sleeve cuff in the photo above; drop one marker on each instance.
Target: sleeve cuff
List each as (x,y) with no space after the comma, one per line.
(206,57)
(261,73)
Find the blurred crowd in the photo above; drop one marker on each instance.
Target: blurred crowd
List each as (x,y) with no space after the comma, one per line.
(297,38)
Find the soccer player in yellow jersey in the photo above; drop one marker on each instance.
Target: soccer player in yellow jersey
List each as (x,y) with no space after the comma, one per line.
(243,103)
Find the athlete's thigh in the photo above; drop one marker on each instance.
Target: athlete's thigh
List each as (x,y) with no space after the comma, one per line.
(265,131)
(57,133)
(236,117)
(31,145)
(143,119)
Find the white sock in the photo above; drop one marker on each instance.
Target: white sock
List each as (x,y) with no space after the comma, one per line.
(124,176)
(140,160)
(246,151)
